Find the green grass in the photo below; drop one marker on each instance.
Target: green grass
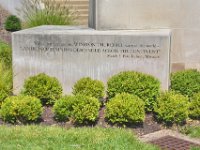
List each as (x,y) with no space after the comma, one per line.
(192,131)
(56,138)
(195,148)
(53,13)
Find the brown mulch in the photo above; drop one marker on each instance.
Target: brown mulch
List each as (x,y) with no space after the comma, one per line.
(5,36)
(149,125)
(47,119)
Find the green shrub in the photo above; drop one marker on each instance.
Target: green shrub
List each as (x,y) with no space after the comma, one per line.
(12,23)
(46,88)
(89,87)
(125,108)
(172,108)
(186,82)
(80,108)
(194,108)
(21,109)
(63,108)
(5,82)
(85,109)
(5,55)
(52,12)
(144,86)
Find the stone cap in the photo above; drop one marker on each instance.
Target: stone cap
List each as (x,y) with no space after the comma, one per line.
(46,29)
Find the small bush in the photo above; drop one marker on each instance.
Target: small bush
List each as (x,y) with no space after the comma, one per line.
(13,23)
(5,82)
(194,108)
(186,82)
(144,86)
(63,108)
(125,108)
(89,87)
(46,88)
(172,108)
(5,71)
(80,108)
(21,109)
(85,109)
(5,55)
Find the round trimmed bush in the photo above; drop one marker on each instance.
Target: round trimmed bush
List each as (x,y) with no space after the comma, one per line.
(46,88)
(4,93)
(87,86)
(186,82)
(194,109)
(85,109)
(125,108)
(172,108)
(144,86)
(63,108)
(21,109)
(80,108)
(13,23)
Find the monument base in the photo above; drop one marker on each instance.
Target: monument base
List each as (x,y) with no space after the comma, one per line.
(70,53)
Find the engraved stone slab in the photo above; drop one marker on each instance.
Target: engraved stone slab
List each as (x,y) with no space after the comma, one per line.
(70,53)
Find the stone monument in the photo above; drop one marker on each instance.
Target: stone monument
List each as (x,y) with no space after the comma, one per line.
(70,53)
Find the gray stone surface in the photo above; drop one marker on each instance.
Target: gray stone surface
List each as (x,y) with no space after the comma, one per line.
(181,16)
(70,53)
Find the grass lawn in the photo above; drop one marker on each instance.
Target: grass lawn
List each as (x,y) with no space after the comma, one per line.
(56,138)
(192,132)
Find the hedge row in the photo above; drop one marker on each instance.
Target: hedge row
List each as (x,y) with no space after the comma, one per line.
(130,95)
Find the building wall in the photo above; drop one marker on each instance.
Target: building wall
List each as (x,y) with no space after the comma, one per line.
(11,5)
(81,7)
(181,16)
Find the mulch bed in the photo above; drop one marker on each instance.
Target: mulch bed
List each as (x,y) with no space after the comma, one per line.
(149,125)
(5,36)
(47,119)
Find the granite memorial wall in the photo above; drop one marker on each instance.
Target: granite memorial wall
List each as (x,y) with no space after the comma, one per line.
(70,53)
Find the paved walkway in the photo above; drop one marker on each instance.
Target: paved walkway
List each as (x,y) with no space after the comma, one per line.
(170,140)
